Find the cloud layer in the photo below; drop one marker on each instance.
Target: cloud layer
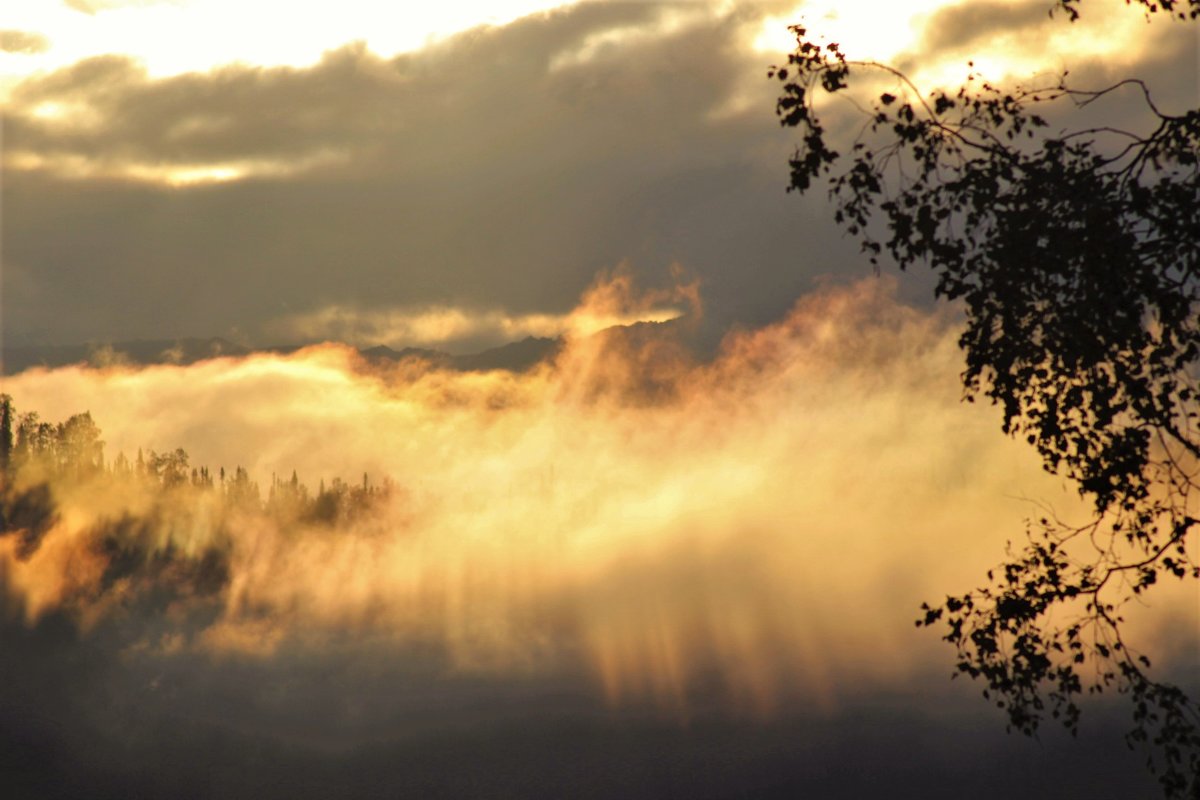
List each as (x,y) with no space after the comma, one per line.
(499,169)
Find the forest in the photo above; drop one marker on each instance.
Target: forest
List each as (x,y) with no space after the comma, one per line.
(170,505)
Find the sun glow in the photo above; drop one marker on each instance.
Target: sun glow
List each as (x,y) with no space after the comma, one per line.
(1019,42)
(876,30)
(170,175)
(175,36)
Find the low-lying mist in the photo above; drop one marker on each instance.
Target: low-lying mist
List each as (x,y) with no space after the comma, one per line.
(627,526)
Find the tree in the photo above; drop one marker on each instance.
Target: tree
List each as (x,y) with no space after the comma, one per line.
(6,431)
(1075,254)
(35,439)
(171,468)
(78,445)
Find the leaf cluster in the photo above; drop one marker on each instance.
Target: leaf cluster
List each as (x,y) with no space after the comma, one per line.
(1181,9)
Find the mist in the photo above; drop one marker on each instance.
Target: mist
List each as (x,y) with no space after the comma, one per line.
(627,549)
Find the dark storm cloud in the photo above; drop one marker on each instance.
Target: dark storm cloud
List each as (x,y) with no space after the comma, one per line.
(473,173)
(23,42)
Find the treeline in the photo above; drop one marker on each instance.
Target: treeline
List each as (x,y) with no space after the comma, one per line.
(37,452)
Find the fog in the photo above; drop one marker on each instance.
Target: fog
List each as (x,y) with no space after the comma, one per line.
(548,576)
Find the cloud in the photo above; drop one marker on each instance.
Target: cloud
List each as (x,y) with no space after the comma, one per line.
(91,7)
(23,42)
(471,175)
(352,99)
(441,326)
(960,28)
(491,170)
(1018,40)
(611,301)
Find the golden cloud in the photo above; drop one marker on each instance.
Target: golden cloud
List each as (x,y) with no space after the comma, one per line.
(610,302)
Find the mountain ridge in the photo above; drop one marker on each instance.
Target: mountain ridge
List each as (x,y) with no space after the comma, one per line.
(515,356)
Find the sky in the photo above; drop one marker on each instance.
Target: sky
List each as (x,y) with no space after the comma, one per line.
(640,569)
(355,171)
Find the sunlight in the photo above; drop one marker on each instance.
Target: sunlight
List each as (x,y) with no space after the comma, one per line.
(892,32)
(877,30)
(50,110)
(171,175)
(178,36)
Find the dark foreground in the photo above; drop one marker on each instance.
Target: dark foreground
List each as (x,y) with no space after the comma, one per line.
(80,717)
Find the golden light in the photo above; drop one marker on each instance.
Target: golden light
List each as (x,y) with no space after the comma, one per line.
(873,30)
(889,32)
(171,175)
(50,110)
(176,36)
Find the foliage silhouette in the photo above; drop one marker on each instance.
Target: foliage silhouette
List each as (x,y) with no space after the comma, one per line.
(1076,256)
(1183,9)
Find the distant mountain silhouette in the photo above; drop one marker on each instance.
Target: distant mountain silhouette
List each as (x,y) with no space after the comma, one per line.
(515,356)
(384,354)
(140,352)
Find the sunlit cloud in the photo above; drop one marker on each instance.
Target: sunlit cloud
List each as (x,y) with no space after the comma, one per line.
(932,40)
(171,175)
(611,41)
(22,42)
(876,30)
(440,325)
(52,110)
(110,112)
(177,36)
(612,301)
